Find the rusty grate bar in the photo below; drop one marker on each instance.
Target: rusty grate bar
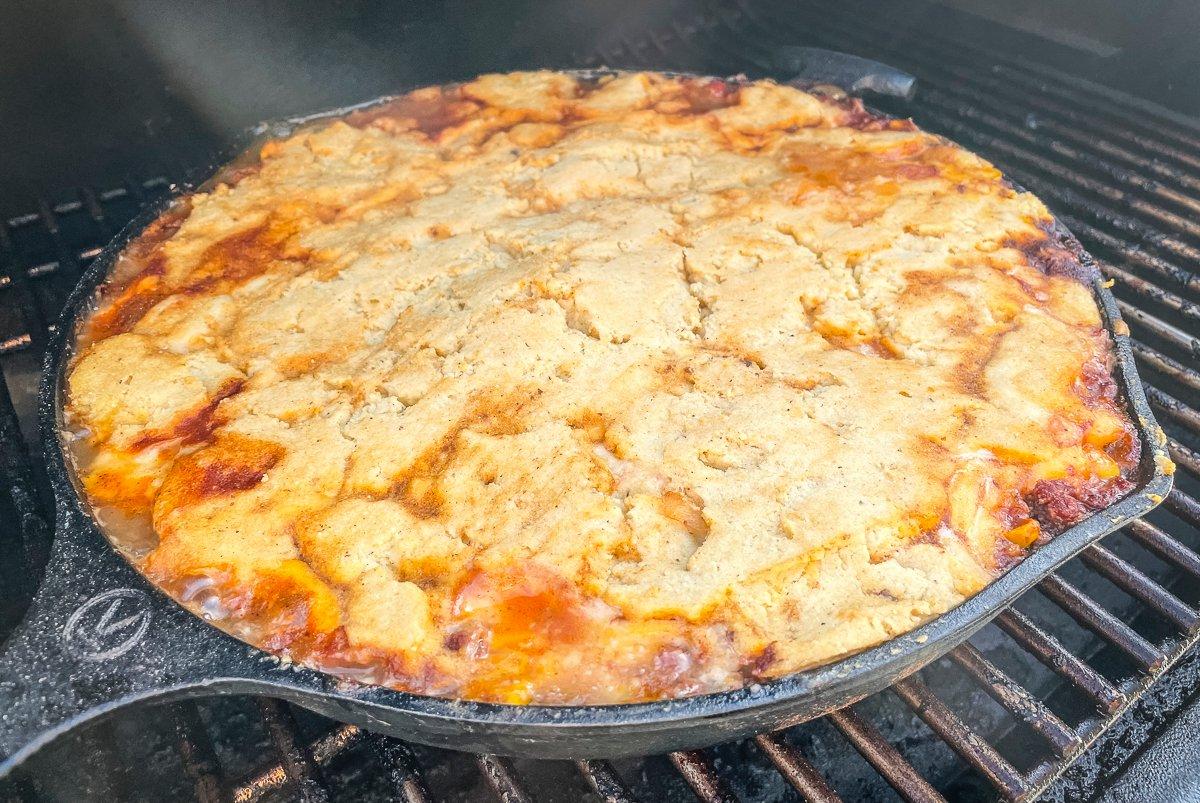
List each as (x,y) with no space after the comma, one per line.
(1183,506)
(196,753)
(796,769)
(1173,408)
(500,776)
(1166,366)
(1059,659)
(1163,545)
(605,782)
(1168,271)
(1017,700)
(336,741)
(402,769)
(698,771)
(886,760)
(1126,281)
(969,745)
(1087,612)
(298,763)
(1184,457)
(1134,582)
(1160,329)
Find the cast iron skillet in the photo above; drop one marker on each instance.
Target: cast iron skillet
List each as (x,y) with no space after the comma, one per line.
(98,636)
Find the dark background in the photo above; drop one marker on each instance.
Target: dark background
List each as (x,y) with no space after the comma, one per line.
(92,92)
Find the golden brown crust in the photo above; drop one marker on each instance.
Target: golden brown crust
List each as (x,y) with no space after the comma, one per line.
(541,389)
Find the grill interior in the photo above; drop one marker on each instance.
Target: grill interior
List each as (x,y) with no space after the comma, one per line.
(1009,715)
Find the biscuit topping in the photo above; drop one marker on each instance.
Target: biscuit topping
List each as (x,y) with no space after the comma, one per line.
(543,389)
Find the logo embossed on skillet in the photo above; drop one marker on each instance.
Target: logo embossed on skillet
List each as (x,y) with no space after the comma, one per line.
(108,625)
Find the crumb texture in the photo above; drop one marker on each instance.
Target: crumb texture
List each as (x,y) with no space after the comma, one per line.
(542,389)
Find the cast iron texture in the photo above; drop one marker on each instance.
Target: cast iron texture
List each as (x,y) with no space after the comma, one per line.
(99,636)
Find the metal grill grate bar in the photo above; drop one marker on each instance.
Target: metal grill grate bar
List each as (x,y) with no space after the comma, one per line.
(1183,506)
(298,763)
(1163,545)
(886,760)
(1184,456)
(967,743)
(1059,659)
(338,740)
(1017,700)
(1166,270)
(402,769)
(1087,612)
(196,752)
(796,769)
(698,771)
(1166,366)
(1163,331)
(605,782)
(1134,582)
(503,780)
(1150,291)
(1173,408)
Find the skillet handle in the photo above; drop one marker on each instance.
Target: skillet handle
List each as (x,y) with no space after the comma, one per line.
(89,644)
(815,65)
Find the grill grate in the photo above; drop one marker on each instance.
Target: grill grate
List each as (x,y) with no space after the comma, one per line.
(1040,685)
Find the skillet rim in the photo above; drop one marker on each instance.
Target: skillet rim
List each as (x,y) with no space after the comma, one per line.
(853,676)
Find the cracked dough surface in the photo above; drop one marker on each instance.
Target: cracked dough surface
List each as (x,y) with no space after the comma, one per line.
(542,389)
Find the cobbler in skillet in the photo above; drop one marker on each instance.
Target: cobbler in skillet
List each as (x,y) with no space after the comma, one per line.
(549,389)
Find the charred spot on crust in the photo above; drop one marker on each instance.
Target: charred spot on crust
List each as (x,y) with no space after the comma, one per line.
(231,465)
(136,283)
(759,667)
(195,427)
(243,255)
(1054,253)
